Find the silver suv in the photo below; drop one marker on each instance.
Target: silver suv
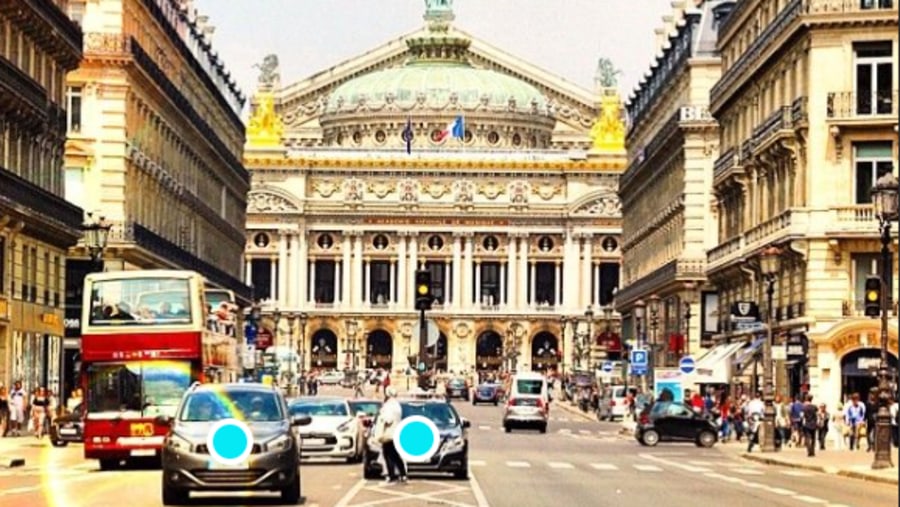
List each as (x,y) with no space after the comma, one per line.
(273,463)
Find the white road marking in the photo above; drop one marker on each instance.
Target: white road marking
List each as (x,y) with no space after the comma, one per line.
(480,499)
(584,432)
(518,464)
(484,427)
(347,498)
(647,468)
(565,430)
(558,464)
(701,463)
(809,499)
(477,463)
(746,471)
(782,491)
(798,473)
(604,466)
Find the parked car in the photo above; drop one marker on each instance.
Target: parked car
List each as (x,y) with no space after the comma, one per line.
(612,404)
(273,464)
(457,387)
(675,421)
(334,432)
(363,409)
(453,453)
(332,377)
(486,393)
(526,411)
(68,428)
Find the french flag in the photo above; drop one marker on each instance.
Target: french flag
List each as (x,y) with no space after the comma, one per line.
(455,129)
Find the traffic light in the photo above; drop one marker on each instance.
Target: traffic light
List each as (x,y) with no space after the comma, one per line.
(873,296)
(424,297)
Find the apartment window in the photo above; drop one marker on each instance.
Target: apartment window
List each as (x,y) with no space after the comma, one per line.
(874,78)
(46,278)
(380,284)
(872,160)
(875,4)
(73,109)
(490,283)
(866,264)
(324,289)
(57,274)
(32,296)
(438,271)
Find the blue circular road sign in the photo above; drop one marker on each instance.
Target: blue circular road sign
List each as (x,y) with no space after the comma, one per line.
(687,365)
(607,366)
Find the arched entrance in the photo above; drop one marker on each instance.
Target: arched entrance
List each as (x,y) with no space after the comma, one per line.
(439,352)
(379,349)
(489,350)
(544,351)
(323,349)
(859,371)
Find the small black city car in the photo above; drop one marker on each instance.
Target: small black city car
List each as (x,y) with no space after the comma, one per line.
(678,422)
(458,388)
(68,428)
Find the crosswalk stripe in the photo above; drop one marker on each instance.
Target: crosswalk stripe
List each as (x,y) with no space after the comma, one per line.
(518,464)
(701,463)
(746,471)
(557,464)
(484,427)
(782,491)
(565,430)
(604,466)
(809,499)
(647,468)
(798,473)
(476,463)
(584,432)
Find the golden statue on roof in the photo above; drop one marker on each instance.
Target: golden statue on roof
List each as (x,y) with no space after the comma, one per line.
(265,128)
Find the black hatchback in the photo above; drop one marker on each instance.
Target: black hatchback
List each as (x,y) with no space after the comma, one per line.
(675,422)
(68,428)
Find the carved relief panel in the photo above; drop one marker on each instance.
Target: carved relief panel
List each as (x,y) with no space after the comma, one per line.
(354,190)
(261,201)
(490,245)
(519,191)
(379,244)
(607,205)
(546,247)
(325,243)
(463,192)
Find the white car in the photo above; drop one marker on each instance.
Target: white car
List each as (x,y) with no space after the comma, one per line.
(332,377)
(334,431)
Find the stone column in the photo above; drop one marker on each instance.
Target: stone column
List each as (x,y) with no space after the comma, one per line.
(312,282)
(501,297)
(511,271)
(557,285)
(303,270)
(294,288)
(367,282)
(346,279)
(457,270)
(468,265)
(595,291)
(410,271)
(402,271)
(448,280)
(477,268)
(532,287)
(248,270)
(337,281)
(273,279)
(282,269)
(392,282)
(523,293)
(359,294)
(584,278)
(570,270)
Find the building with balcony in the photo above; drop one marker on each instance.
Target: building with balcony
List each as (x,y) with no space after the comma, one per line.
(517,219)
(38,46)
(668,216)
(807,108)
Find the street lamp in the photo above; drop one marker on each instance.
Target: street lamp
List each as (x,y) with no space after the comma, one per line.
(653,308)
(770,266)
(350,342)
(515,330)
(639,307)
(687,301)
(302,318)
(96,235)
(563,324)
(884,198)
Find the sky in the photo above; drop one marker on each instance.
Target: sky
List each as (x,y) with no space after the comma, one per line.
(564,37)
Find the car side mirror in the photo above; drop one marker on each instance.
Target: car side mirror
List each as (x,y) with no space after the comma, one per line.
(466,423)
(300,420)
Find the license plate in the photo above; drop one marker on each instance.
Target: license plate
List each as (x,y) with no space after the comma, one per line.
(214,465)
(141,429)
(314,441)
(143,452)
(68,431)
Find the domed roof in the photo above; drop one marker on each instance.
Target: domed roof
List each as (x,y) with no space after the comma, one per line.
(438,76)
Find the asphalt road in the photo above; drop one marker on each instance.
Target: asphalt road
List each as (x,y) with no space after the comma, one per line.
(578,462)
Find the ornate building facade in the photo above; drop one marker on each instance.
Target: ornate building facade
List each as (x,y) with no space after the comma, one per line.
(666,194)
(155,139)
(807,109)
(38,46)
(517,220)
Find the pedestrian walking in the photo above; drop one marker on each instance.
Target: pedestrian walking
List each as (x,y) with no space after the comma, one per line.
(854,418)
(823,418)
(871,419)
(40,404)
(389,418)
(838,429)
(754,413)
(17,409)
(809,420)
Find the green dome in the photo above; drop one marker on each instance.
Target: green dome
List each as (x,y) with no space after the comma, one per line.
(439,84)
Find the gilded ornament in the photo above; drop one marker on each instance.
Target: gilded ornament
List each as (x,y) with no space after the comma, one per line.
(608,132)
(381,189)
(518,192)
(491,190)
(265,128)
(353,190)
(546,191)
(325,188)
(436,189)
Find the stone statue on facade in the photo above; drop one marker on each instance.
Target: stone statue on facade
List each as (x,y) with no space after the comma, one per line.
(435,6)
(606,76)
(268,70)
(438,14)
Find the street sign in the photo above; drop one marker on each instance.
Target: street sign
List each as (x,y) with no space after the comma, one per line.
(638,370)
(687,365)
(607,367)
(639,358)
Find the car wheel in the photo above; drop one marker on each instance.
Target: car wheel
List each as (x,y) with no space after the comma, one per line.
(543,428)
(59,443)
(508,429)
(650,438)
(706,439)
(173,496)
(109,464)
(463,472)
(474,403)
(290,495)
(496,402)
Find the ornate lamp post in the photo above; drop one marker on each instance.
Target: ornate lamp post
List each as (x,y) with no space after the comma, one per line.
(589,334)
(302,319)
(655,349)
(350,342)
(687,301)
(770,266)
(96,235)
(515,330)
(884,197)
(640,335)
(563,324)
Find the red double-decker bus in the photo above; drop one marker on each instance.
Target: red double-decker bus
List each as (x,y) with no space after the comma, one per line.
(146,337)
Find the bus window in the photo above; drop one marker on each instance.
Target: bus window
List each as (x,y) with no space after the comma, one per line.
(145,389)
(140,301)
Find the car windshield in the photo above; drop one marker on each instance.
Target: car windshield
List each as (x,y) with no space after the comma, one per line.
(532,386)
(441,414)
(244,405)
(457,382)
(369,408)
(487,387)
(319,408)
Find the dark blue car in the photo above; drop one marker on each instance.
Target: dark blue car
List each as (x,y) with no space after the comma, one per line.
(486,393)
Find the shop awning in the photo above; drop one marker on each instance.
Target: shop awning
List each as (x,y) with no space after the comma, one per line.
(714,367)
(744,356)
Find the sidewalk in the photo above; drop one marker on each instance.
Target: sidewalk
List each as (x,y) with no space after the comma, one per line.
(13,450)
(855,464)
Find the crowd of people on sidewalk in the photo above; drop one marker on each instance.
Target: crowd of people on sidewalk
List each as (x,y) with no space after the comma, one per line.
(22,413)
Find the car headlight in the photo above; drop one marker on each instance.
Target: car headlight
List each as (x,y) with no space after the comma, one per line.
(177,443)
(346,426)
(454,444)
(281,443)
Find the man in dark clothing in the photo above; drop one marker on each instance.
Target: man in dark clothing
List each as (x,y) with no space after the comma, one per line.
(810,425)
(871,418)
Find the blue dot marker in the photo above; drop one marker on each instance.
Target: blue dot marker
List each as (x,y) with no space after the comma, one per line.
(417,439)
(229,442)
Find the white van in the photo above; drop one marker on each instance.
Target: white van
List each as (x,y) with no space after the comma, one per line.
(530,384)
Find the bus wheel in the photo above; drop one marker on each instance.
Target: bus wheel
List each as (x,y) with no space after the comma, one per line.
(109,464)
